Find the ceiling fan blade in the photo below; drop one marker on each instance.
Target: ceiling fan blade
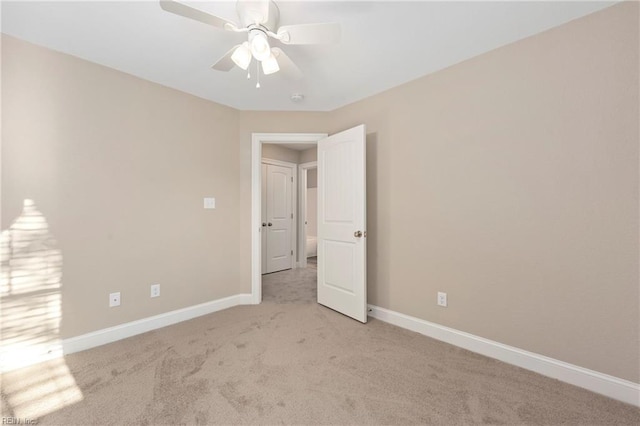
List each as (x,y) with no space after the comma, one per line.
(197,15)
(286,64)
(326,33)
(225,63)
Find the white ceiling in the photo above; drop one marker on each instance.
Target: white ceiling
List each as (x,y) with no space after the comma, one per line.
(383,44)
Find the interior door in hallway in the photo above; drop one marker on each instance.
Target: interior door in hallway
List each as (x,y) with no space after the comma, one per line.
(279,218)
(264,218)
(342,220)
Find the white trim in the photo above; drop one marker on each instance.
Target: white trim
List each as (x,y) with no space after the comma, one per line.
(257,139)
(279,163)
(122,331)
(302,209)
(613,387)
(14,358)
(294,201)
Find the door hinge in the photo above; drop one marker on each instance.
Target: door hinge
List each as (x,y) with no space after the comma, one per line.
(291,215)
(291,252)
(291,178)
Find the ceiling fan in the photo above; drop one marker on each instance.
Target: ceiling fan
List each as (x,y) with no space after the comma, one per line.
(259,19)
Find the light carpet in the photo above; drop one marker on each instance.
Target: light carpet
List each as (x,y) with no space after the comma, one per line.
(292,361)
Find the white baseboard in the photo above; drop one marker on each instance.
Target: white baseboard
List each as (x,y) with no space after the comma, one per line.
(245,299)
(122,331)
(613,387)
(15,357)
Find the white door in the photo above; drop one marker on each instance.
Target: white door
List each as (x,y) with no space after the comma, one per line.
(264,218)
(279,218)
(342,248)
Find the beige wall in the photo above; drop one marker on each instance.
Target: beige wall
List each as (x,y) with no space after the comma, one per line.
(119,167)
(510,181)
(312,214)
(278,152)
(309,155)
(312,178)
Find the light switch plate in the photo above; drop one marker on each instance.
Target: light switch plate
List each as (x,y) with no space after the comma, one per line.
(209,203)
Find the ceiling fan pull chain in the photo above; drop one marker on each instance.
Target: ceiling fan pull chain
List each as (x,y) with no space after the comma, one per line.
(258,74)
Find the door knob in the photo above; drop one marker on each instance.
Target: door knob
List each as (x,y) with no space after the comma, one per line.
(357,234)
(270,224)
(264,223)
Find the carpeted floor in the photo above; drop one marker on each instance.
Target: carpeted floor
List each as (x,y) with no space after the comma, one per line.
(291,361)
(291,286)
(312,262)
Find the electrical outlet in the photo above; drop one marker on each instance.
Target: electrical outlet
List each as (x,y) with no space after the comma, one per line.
(114,299)
(155,290)
(442,299)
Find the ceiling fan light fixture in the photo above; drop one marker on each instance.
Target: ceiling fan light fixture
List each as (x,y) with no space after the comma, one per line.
(260,48)
(242,56)
(270,65)
(259,19)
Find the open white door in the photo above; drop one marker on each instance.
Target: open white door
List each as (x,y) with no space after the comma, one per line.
(342,248)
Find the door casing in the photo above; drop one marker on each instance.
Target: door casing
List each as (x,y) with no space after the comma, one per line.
(257,139)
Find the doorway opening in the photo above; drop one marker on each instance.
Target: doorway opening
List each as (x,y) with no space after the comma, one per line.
(263,145)
(308,223)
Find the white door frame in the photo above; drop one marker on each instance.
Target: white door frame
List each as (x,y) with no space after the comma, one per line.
(302,211)
(257,139)
(294,200)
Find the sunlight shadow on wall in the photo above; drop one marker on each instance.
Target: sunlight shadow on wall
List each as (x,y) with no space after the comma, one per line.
(30,301)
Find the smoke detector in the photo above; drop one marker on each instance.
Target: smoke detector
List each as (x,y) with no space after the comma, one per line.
(297,97)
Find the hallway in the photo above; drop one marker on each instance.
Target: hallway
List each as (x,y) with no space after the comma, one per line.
(291,286)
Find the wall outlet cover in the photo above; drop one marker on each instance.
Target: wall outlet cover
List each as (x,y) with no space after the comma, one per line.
(114,299)
(155,290)
(442,299)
